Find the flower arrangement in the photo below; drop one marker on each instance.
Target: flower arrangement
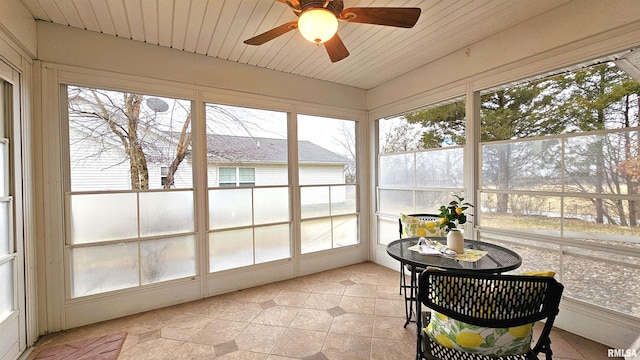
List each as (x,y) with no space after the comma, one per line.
(453,215)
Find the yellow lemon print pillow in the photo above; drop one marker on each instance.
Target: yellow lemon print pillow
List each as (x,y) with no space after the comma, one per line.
(415,227)
(455,334)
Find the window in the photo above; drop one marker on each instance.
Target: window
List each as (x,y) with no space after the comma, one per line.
(328,191)
(249,215)
(420,162)
(559,175)
(234,177)
(126,228)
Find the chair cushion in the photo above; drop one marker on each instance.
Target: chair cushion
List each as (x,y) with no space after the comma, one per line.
(461,336)
(480,340)
(416,227)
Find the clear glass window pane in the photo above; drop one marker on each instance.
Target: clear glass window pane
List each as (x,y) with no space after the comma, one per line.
(388,230)
(237,135)
(5,235)
(316,235)
(120,140)
(272,243)
(343,199)
(230,249)
(167,259)
(166,212)
(101,217)
(99,269)
(581,221)
(326,150)
(345,231)
(6,290)
(271,205)
(315,201)
(531,213)
(230,208)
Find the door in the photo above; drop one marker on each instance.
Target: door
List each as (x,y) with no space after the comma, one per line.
(12,314)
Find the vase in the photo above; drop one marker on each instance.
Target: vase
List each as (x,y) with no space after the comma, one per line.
(455,241)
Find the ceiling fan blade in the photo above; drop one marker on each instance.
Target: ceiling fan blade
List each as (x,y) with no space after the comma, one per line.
(272,34)
(388,16)
(336,49)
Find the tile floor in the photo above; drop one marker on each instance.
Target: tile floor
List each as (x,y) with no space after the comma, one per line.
(348,313)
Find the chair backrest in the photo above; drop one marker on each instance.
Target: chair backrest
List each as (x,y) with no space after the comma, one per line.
(490,300)
(426,217)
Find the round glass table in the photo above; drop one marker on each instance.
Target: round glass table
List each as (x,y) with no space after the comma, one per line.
(497,260)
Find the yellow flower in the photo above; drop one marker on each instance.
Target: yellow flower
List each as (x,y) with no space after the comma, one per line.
(469,339)
(458,211)
(520,331)
(430,225)
(421,231)
(443,340)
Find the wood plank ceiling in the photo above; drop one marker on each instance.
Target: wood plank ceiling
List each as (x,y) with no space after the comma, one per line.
(217,28)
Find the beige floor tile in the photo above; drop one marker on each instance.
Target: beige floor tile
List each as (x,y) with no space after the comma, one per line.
(347,347)
(388,307)
(326,287)
(298,343)
(391,328)
(322,301)
(364,290)
(151,350)
(192,351)
(183,326)
(259,338)
(353,324)
(364,278)
(291,298)
(218,332)
(312,319)
(276,316)
(242,355)
(361,305)
(384,349)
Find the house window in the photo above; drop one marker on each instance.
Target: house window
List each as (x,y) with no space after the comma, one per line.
(420,163)
(559,180)
(234,177)
(248,224)
(164,172)
(126,231)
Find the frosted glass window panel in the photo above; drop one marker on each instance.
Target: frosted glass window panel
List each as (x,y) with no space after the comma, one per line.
(271,205)
(230,249)
(166,212)
(387,230)
(396,201)
(397,170)
(272,243)
(315,201)
(105,268)
(523,165)
(534,214)
(316,235)
(167,259)
(5,236)
(230,208)
(4,172)
(343,199)
(102,217)
(345,231)
(440,168)
(6,290)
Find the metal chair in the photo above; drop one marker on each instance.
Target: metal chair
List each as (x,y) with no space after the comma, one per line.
(487,300)
(410,290)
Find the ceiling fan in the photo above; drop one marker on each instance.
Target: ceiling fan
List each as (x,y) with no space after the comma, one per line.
(318,22)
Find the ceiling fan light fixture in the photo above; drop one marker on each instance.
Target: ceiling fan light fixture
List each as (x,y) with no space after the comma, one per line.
(317,25)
